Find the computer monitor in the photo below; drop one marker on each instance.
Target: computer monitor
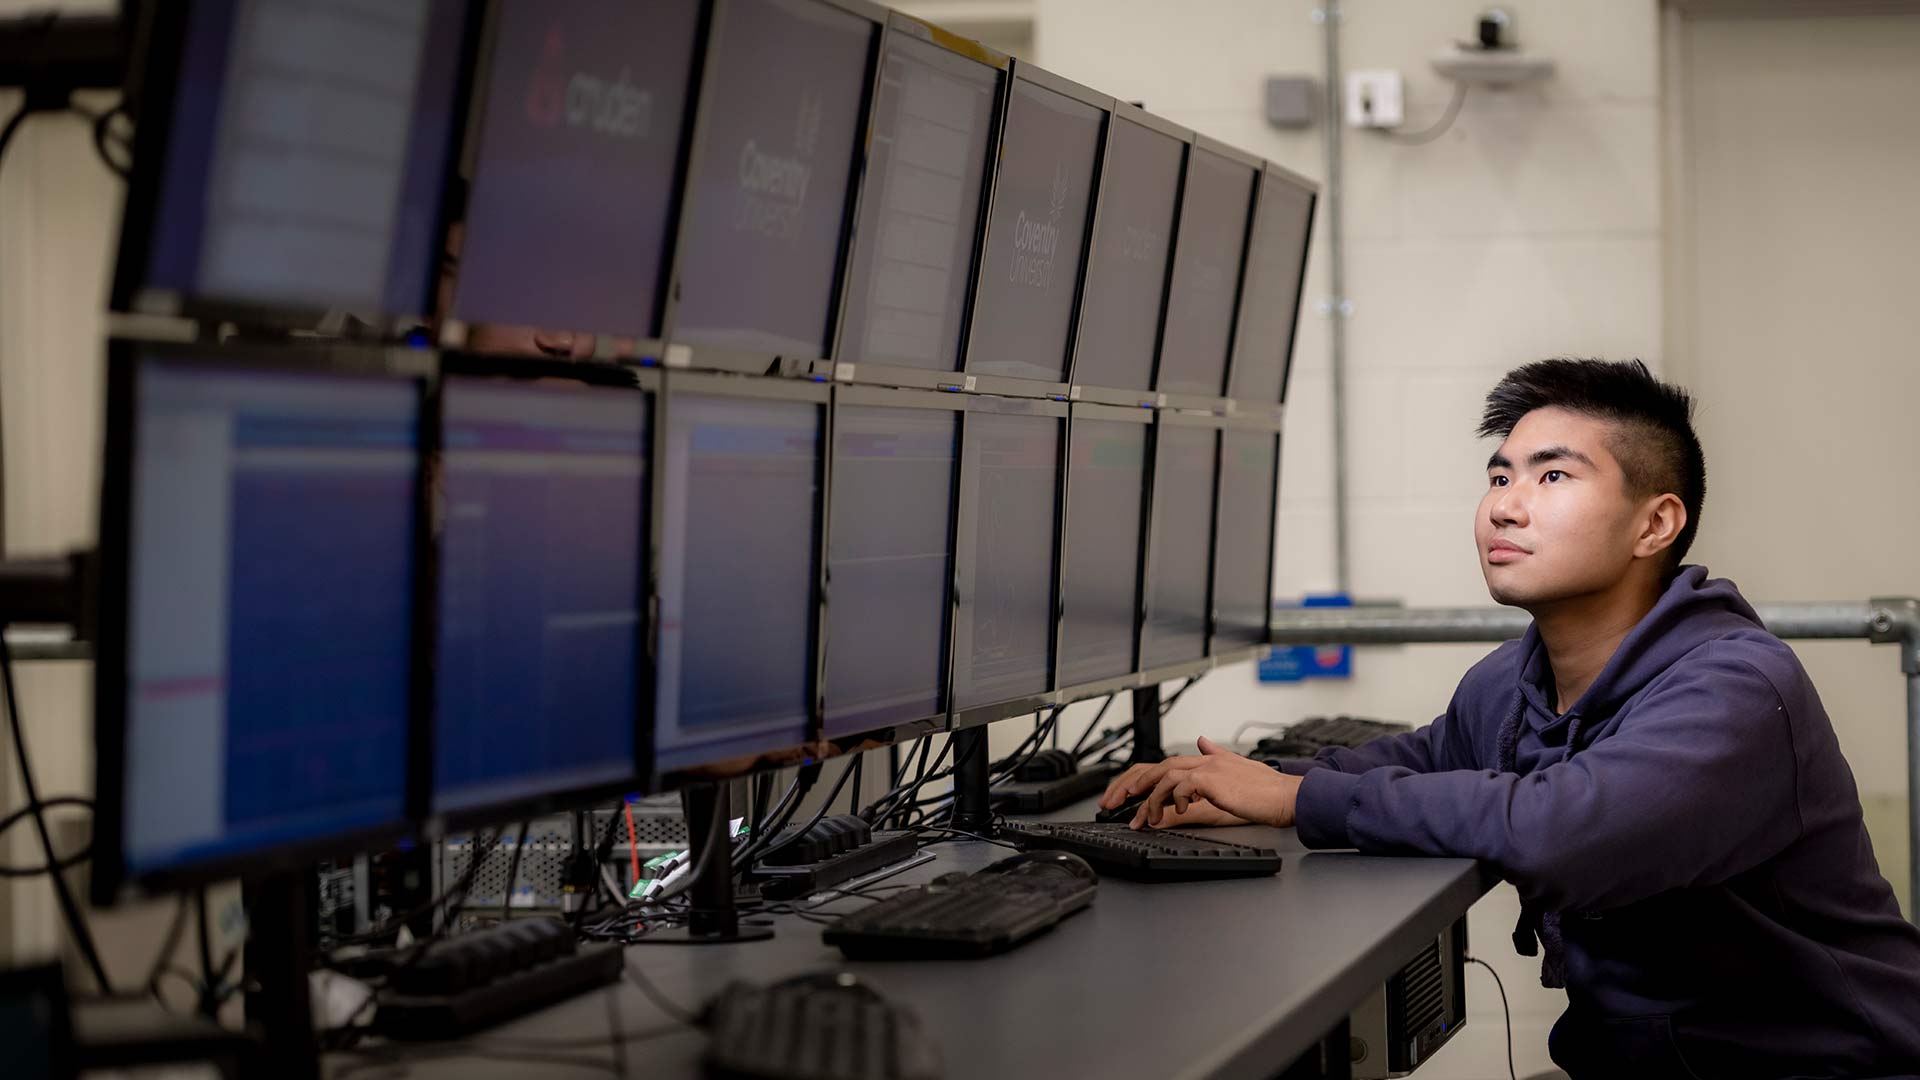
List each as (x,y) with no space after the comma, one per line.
(261,532)
(738,535)
(918,221)
(1029,279)
(1010,455)
(1100,560)
(1244,536)
(890,558)
(1128,264)
(577,165)
(1270,299)
(291,159)
(1180,544)
(783,107)
(1206,271)
(540,636)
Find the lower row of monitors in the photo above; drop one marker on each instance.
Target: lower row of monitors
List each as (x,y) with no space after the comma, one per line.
(269,637)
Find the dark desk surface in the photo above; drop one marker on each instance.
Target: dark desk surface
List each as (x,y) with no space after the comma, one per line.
(1198,979)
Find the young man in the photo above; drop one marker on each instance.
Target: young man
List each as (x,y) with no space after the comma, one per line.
(1649,766)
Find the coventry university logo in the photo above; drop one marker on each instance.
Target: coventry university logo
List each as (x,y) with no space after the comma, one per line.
(1035,240)
(773,187)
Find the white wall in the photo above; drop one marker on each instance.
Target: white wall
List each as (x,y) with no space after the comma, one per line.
(1533,228)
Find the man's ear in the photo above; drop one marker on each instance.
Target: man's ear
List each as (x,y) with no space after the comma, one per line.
(1660,523)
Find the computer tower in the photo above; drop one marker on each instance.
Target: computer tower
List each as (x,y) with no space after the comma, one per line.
(1415,1012)
(659,827)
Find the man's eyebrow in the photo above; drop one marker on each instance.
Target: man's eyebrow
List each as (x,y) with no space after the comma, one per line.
(1559,453)
(1499,461)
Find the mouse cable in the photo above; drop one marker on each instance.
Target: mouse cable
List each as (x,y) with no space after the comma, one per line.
(1504,1010)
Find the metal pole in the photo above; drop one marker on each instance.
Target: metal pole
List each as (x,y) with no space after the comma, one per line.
(1913,793)
(1337,304)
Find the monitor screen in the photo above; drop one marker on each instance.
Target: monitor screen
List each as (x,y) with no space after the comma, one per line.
(1176,624)
(1023,313)
(307,153)
(1270,302)
(739,521)
(919,215)
(889,565)
(769,195)
(270,610)
(1127,271)
(1206,275)
(1243,550)
(1100,570)
(543,489)
(1004,630)
(571,202)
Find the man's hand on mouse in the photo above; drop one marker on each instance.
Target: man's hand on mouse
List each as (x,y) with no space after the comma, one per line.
(1217,782)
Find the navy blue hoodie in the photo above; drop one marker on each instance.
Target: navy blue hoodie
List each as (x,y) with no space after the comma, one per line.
(1687,843)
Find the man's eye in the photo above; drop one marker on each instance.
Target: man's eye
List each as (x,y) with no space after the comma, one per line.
(1497,481)
(1552,475)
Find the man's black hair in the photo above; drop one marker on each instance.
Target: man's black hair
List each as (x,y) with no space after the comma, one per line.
(1653,441)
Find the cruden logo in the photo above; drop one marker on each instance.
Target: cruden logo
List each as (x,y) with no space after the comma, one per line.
(773,187)
(613,107)
(1035,241)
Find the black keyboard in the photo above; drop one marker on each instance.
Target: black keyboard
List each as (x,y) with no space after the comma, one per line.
(960,916)
(480,979)
(1316,733)
(820,1027)
(1147,854)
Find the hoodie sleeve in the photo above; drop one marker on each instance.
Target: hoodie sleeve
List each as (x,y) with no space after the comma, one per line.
(1696,784)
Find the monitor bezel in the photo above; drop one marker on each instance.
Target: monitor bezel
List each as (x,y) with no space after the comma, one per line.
(680,355)
(1215,402)
(1011,385)
(682,384)
(112,880)
(159,49)
(1071,692)
(900,375)
(1079,389)
(644,350)
(900,730)
(1182,668)
(1259,424)
(959,719)
(1294,179)
(599,376)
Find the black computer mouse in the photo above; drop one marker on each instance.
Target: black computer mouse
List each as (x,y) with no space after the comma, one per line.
(1123,814)
(1044,863)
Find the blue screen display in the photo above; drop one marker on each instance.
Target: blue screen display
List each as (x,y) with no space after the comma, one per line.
(270,610)
(544,495)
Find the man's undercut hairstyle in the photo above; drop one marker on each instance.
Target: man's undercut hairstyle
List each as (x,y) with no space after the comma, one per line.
(1653,436)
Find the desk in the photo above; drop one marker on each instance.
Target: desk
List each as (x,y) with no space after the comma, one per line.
(1198,979)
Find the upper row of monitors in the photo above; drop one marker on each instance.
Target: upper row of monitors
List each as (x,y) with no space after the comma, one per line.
(815,186)
(348,589)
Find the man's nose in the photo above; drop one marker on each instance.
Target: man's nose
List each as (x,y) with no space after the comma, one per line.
(1509,507)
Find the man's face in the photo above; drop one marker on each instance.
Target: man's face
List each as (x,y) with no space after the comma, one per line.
(1556,521)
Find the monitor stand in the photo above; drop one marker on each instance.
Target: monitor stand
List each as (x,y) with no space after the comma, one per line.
(972,801)
(1146,726)
(713,920)
(279,958)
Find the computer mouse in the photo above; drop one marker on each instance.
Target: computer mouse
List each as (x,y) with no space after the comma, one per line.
(1044,864)
(1046,765)
(1123,814)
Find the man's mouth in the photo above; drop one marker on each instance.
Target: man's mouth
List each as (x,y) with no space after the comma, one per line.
(1505,551)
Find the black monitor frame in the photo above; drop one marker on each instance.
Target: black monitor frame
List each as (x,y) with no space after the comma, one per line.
(112,879)
(1080,390)
(1281,175)
(646,350)
(683,384)
(959,719)
(677,354)
(896,374)
(1132,680)
(899,731)
(1271,426)
(1164,420)
(1006,385)
(153,84)
(586,374)
(1215,402)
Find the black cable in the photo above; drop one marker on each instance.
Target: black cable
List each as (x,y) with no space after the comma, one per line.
(1506,1012)
(102,125)
(209,1000)
(172,942)
(476,855)
(825,805)
(778,818)
(1175,699)
(72,860)
(1080,743)
(70,910)
(513,872)
(13,125)
(853,797)
(662,1001)
(891,802)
